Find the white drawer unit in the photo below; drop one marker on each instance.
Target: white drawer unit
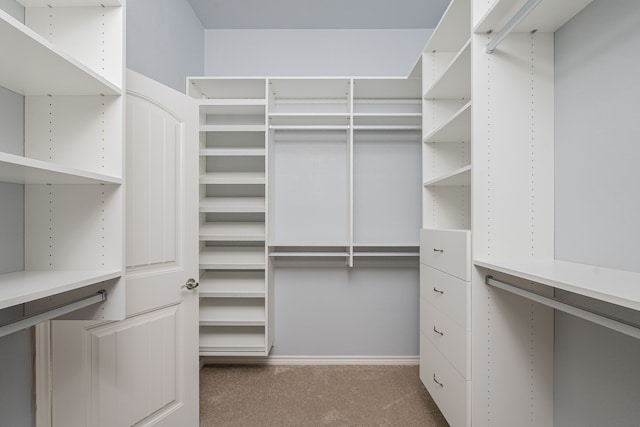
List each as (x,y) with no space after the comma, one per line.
(449,389)
(447,250)
(448,294)
(451,339)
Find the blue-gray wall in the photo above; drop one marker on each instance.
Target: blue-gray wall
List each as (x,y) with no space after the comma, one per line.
(165,41)
(15,350)
(598,205)
(313,52)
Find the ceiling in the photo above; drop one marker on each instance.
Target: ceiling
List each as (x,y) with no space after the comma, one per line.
(319,14)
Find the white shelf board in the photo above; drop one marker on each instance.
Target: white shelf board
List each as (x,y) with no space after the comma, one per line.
(605,284)
(409,245)
(69,3)
(232,152)
(232,312)
(232,204)
(232,231)
(453,29)
(456,129)
(233,106)
(309,254)
(455,81)
(233,178)
(458,177)
(38,67)
(386,254)
(233,128)
(547,17)
(23,170)
(232,284)
(231,351)
(232,258)
(24,286)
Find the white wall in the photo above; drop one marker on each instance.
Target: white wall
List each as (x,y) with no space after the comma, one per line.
(312,52)
(165,41)
(597,205)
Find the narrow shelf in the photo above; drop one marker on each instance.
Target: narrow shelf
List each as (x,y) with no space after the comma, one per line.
(232,284)
(232,152)
(23,170)
(458,177)
(233,106)
(455,81)
(309,254)
(232,205)
(223,340)
(456,129)
(453,29)
(232,258)
(233,178)
(39,68)
(69,3)
(232,231)
(24,286)
(547,17)
(232,312)
(233,128)
(613,286)
(386,254)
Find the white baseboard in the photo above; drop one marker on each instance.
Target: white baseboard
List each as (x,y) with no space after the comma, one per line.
(312,360)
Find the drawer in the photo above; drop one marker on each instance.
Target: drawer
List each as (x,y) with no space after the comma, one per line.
(447,250)
(447,293)
(452,340)
(451,392)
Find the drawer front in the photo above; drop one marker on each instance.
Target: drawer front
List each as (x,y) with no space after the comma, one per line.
(447,250)
(451,392)
(449,338)
(447,293)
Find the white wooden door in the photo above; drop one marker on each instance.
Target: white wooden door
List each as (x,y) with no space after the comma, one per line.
(143,370)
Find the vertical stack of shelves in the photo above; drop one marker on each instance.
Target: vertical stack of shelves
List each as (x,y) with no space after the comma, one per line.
(71,165)
(386,170)
(233,287)
(445,251)
(309,142)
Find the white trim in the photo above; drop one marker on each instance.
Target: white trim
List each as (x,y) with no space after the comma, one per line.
(313,360)
(42,368)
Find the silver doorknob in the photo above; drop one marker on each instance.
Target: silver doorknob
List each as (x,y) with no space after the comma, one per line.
(191,284)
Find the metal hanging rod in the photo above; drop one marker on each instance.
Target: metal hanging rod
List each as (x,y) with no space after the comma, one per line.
(511,24)
(33,319)
(581,312)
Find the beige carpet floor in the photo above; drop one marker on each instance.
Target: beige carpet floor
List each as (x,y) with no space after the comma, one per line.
(281,396)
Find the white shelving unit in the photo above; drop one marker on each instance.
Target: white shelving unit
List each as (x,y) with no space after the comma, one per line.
(235,313)
(71,76)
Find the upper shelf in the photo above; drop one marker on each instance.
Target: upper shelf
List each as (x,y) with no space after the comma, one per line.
(455,81)
(605,284)
(24,286)
(23,170)
(547,17)
(452,31)
(69,3)
(458,177)
(227,89)
(39,68)
(457,129)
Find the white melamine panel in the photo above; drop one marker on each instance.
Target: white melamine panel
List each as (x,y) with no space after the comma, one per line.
(309,188)
(227,89)
(71,227)
(454,82)
(38,68)
(232,312)
(227,107)
(453,394)
(546,17)
(392,121)
(235,119)
(319,121)
(232,284)
(386,187)
(443,158)
(133,365)
(447,207)
(391,89)
(232,152)
(451,339)
(232,204)
(82,132)
(513,119)
(232,231)
(438,112)
(233,128)
(309,95)
(234,164)
(93,35)
(453,29)
(69,3)
(386,106)
(224,339)
(458,177)
(232,258)
(233,140)
(447,293)
(456,129)
(233,178)
(447,250)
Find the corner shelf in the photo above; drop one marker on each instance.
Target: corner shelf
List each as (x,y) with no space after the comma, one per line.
(24,286)
(454,82)
(40,68)
(456,129)
(458,177)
